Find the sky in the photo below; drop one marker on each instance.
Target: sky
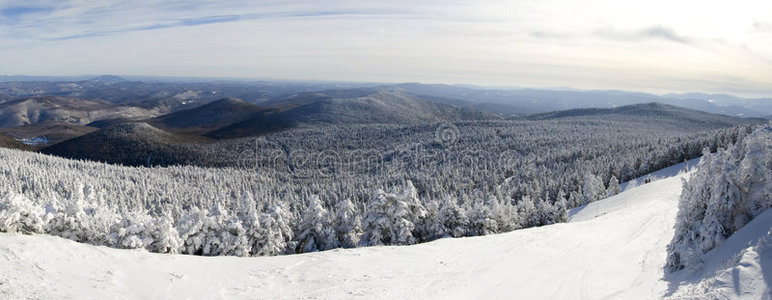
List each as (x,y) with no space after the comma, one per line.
(656,46)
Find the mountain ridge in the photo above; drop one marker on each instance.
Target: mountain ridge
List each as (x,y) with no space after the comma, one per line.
(377,107)
(129,142)
(9,142)
(651,109)
(207,117)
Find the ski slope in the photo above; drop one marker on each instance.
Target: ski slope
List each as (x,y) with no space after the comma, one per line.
(614,248)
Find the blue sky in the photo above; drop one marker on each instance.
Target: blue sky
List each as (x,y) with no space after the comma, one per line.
(655,46)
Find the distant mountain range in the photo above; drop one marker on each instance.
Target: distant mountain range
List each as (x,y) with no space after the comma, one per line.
(650,111)
(53,111)
(118,90)
(176,95)
(39,109)
(529,101)
(180,133)
(378,107)
(182,142)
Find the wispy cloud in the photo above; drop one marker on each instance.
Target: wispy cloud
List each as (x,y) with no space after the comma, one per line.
(461,41)
(648,33)
(156,26)
(13,14)
(547,34)
(643,34)
(206,20)
(665,33)
(76,19)
(761,26)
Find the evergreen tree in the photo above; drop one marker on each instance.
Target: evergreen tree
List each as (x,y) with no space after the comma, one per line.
(613,187)
(315,231)
(347,223)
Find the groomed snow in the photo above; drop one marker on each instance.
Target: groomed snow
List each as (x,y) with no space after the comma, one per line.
(614,248)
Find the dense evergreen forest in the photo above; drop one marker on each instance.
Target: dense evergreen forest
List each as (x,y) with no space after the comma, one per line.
(320,188)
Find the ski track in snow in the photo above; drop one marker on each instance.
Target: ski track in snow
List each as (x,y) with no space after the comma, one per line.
(611,249)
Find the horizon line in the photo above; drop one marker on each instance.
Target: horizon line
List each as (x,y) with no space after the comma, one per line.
(193,79)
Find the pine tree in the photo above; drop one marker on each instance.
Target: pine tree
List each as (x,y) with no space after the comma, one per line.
(347,223)
(453,219)
(593,188)
(315,231)
(391,218)
(613,187)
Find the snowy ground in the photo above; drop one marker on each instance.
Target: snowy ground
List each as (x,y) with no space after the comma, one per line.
(613,248)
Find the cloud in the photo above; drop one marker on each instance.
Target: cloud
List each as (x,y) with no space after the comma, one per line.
(76,19)
(12,14)
(648,33)
(460,41)
(763,27)
(209,20)
(206,20)
(546,34)
(656,32)
(18,11)
(663,33)
(176,23)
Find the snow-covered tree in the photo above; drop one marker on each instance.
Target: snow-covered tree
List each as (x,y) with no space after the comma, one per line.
(315,231)
(454,221)
(593,188)
(729,188)
(18,214)
(613,187)
(254,235)
(529,215)
(277,230)
(258,211)
(201,233)
(391,218)
(486,217)
(166,238)
(347,223)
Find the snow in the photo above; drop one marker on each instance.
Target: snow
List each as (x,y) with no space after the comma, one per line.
(613,248)
(740,268)
(663,173)
(35,141)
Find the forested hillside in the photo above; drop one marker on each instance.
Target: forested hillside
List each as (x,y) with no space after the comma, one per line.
(208,117)
(370,107)
(730,188)
(136,143)
(9,142)
(344,186)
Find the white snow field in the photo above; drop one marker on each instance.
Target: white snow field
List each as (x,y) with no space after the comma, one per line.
(611,249)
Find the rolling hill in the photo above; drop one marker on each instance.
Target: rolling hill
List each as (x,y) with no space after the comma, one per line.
(377,107)
(107,79)
(9,142)
(519,101)
(652,111)
(132,143)
(52,131)
(524,101)
(75,111)
(208,117)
